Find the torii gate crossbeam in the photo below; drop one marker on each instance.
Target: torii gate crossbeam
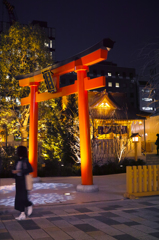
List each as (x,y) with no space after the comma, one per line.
(81,86)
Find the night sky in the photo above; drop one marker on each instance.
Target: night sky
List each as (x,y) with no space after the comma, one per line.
(81,24)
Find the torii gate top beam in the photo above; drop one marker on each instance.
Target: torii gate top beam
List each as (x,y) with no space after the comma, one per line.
(104,44)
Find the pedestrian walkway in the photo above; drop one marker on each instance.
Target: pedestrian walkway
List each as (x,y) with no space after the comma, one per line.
(105,215)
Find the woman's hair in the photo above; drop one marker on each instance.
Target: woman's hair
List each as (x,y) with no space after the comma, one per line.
(22,151)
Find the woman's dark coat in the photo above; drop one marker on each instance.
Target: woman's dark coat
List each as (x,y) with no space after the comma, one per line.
(21,197)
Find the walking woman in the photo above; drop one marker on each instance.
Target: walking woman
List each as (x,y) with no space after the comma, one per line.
(22,167)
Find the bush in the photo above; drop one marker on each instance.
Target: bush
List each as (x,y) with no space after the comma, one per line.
(55,168)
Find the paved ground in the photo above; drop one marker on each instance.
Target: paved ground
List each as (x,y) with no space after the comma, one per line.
(61,213)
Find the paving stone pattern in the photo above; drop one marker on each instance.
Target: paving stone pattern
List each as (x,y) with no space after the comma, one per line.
(121,220)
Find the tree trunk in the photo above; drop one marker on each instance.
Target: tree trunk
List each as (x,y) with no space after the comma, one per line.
(24,135)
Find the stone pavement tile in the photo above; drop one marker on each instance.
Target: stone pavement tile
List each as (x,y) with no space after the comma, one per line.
(111,207)
(153,209)
(108,214)
(86,227)
(130,211)
(82,216)
(20,235)
(147,237)
(147,203)
(123,214)
(150,224)
(47,238)
(153,219)
(128,230)
(57,234)
(94,214)
(106,220)
(125,237)
(59,212)
(6,217)
(69,229)
(79,235)
(38,233)
(43,223)
(73,220)
(83,210)
(103,227)
(3,230)
(99,235)
(29,225)
(13,226)
(1,225)
(95,223)
(111,231)
(61,223)
(54,218)
(95,209)
(156,234)
(5,235)
(121,219)
(43,213)
(35,215)
(71,211)
(145,229)
(130,224)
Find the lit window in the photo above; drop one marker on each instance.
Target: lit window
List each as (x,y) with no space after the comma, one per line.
(147,108)
(109,84)
(147,99)
(109,74)
(116,84)
(104,105)
(50,43)
(50,54)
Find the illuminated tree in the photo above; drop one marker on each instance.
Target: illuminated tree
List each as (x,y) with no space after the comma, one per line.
(22,51)
(59,131)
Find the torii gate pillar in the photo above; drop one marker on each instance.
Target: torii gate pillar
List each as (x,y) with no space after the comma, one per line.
(85,148)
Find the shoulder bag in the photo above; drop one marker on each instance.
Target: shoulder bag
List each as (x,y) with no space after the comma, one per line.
(28,182)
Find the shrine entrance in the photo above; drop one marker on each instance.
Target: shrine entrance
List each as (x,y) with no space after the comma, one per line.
(51,75)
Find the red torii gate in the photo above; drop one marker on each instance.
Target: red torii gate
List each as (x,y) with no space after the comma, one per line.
(81,86)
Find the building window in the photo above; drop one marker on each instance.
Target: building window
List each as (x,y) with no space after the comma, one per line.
(124,85)
(50,43)
(109,74)
(147,108)
(147,99)
(117,84)
(109,84)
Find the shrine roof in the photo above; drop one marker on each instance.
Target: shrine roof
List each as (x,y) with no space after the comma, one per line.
(118,108)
